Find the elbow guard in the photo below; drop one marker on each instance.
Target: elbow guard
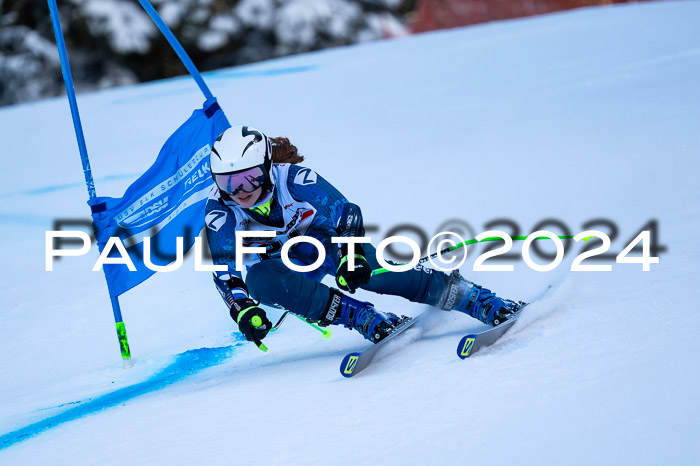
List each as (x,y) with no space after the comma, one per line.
(350,221)
(349,225)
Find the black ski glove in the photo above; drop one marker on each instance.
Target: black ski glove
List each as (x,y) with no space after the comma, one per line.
(350,281)
(252,321)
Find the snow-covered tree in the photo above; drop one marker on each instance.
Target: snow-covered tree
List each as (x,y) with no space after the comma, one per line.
(113,42)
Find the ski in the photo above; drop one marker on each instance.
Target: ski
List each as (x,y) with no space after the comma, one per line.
(354,363)
(470,344)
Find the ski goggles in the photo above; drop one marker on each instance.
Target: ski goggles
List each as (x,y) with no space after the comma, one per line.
(246,181)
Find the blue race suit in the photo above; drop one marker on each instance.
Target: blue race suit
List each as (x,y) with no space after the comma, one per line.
(303,203)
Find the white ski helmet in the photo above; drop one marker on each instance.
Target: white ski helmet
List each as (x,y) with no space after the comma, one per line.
(234,158)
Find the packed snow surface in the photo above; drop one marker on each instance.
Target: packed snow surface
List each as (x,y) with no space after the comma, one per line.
(584,115)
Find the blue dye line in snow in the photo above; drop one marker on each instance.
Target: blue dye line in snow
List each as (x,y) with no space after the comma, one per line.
(228,74)
(62,187)
(225,74)
(185,364)
(26,219)
(60,406)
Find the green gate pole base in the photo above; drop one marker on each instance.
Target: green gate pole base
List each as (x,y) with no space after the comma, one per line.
(124,345)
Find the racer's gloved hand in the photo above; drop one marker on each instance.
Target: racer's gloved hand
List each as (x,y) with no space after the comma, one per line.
(350,280)
(252,321)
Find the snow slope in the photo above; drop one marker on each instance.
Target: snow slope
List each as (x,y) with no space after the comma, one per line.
(586,114)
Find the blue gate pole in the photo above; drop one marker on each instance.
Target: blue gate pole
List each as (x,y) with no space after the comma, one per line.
(175,44)
(68,79)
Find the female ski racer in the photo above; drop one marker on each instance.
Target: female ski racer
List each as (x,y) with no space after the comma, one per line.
(260,187)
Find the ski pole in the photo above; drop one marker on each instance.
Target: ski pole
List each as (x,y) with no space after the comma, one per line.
(465,243)
(326,332)
(279,322)
(257,322)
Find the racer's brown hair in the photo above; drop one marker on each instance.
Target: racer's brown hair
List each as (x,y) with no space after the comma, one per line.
(284,151)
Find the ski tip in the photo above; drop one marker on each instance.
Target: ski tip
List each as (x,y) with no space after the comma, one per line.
(466,344)
(348,365)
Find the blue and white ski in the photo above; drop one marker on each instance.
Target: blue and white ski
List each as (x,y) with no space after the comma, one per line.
(354,363)
(470,344)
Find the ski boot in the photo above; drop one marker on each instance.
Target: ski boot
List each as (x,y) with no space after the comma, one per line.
(361,316)
(476,301)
